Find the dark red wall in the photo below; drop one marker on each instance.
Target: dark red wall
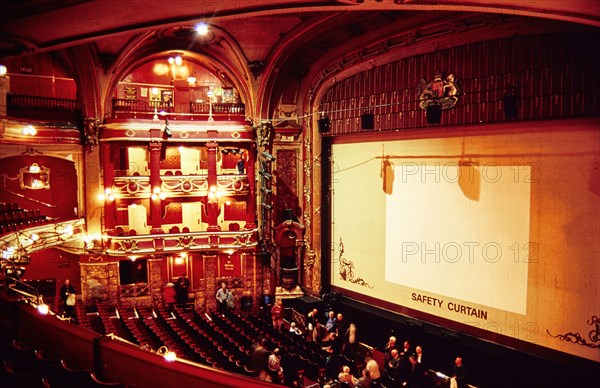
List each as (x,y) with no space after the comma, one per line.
(59,201)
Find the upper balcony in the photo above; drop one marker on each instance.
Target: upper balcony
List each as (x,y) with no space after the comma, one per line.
(188,111)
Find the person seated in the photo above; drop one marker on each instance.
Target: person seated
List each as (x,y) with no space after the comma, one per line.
(331,324)
(294,329)
(345,377)
(365,380)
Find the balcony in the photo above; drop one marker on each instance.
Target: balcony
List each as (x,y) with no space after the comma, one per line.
(243,240)
(177,186)
(42,108)
(144,109)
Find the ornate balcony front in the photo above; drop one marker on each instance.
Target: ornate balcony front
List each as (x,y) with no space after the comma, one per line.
(178,186)
(217,241)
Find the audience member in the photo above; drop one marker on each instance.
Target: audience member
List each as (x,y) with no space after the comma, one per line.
(391,344)
(350,345)
(345,377)
(416,375)
(331,324)
(169,296)
(333,353)
(459,373)
(365,379)
(405,365)
(222,297)
(274,365)
(342,325)
(393,365)
(294,329)
(68,297)
(419,354)
(260,359)
(328,340)
(277,314)
(289,366)
(181,288)
(312,320)
(372,367)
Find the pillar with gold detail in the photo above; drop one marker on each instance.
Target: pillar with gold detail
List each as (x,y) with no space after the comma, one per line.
(212,203)
(250,199)
(109,199)
(155,185)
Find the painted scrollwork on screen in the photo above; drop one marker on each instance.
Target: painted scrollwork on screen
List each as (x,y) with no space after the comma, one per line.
(577,338)
(346,270)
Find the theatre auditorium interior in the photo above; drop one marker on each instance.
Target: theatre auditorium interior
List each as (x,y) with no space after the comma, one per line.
(262,193)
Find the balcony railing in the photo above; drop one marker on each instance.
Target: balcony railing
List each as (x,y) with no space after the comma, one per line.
(144,109)
(41,108)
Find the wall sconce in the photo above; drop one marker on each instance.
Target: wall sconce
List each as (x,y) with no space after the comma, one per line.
(202,28)
(3,71)
(107,195)
(176,59)
(156,194)
(166,353)
(34,167)
(213,195)
(29,130)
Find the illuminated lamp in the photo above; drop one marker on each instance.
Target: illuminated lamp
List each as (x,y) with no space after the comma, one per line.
(202,29)
(3,71)
(34,168)
(43,309)
(29,130)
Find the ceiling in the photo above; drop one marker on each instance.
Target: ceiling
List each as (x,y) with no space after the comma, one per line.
(268,48)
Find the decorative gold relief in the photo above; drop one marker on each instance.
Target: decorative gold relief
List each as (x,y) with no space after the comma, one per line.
(34,177)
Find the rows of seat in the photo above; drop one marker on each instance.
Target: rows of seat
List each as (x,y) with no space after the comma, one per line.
(221,341)
(155,330)
(310,357)
(24,367)
(13,218)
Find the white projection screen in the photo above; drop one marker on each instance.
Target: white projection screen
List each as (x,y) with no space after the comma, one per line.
(484,231)
(441,240)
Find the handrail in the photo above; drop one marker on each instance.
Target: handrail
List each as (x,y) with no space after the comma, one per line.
(12,284)
(39,102)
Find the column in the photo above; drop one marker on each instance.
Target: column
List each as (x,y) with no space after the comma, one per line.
(155,186)
(108,169)
(212,203)
(251,198)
